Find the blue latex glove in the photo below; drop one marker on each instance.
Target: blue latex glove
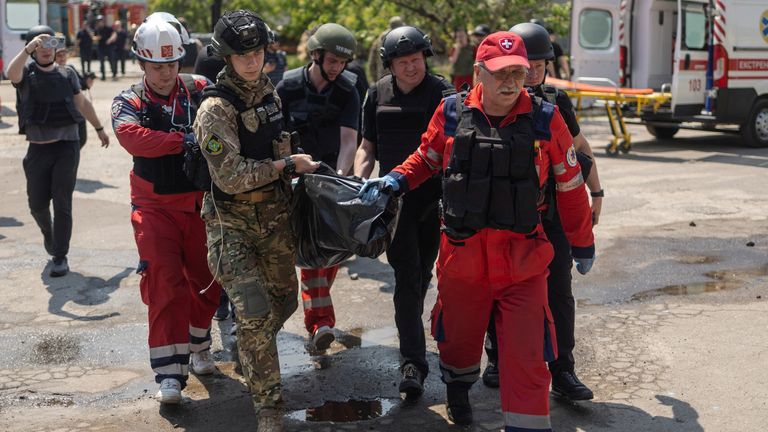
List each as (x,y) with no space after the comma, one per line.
(583,265)
(371,189)
(189,141)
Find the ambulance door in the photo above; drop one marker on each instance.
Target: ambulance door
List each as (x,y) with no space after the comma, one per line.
(16,17)
(690,60)
(594,40)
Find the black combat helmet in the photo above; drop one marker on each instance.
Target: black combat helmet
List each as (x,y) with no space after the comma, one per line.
(536,40)
(481,30)
(37,31)
(239,32)
(404,41)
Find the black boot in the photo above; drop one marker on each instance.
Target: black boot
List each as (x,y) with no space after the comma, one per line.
(566,384)
(412,383)
(491,375)
(459,409)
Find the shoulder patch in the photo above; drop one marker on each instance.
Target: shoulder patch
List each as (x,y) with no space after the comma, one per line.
(571,156)
(213,145)
(117,108)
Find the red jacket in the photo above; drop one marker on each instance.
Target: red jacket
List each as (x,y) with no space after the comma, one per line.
(434,153)
(145,142)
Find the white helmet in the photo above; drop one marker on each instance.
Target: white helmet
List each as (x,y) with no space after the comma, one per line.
(172,20)
(157,42)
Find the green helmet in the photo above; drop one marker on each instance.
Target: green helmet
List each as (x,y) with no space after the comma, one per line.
(239,32)
(335,39)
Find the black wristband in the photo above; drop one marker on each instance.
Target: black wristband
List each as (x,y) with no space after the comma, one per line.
(99,129)
(290,166)
(598,194)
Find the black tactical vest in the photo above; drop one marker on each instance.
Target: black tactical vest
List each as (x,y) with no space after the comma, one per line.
(166,172)
(51,99)
(491,179)
(316,116)
(267,117)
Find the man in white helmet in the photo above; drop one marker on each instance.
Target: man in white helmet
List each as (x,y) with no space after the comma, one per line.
(153,122)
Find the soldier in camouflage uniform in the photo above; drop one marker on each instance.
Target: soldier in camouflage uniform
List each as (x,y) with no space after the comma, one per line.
(250,241)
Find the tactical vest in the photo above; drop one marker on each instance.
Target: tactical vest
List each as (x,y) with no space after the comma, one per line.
(50,101)
(398,127)
(166,172)
(190,54)
(491,179)
(259,128)
(316,116)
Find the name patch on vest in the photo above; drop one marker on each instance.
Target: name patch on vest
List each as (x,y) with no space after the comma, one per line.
(117,108)
(213,145)
(571,157)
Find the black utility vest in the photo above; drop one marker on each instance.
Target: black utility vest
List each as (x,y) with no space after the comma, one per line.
(166,172)
(398,127)
(256,145)
(491,179)
(316,116)
(51,100)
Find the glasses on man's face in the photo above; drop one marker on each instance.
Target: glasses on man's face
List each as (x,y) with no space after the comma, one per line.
(506,74)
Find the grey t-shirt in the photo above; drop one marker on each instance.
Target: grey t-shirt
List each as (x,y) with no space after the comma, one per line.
(42,133)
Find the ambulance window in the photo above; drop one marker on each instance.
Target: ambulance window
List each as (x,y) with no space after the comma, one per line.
(694,29)
(22,14)
(595,29)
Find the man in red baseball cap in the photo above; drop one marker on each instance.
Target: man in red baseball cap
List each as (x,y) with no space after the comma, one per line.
(495,147)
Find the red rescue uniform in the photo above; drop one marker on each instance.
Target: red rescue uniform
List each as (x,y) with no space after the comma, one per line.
(170,235)
(503,271)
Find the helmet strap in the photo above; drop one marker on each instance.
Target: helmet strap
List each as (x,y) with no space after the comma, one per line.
(34,57)
(319,62)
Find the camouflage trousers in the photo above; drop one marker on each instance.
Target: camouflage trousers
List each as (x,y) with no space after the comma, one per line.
(251,250)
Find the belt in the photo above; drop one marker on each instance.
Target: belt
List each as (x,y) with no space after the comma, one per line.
(255,196)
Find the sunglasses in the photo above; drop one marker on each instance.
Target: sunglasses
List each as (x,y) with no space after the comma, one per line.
(505,75)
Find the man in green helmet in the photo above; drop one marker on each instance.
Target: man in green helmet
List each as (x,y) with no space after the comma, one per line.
(247,209)
(321,104)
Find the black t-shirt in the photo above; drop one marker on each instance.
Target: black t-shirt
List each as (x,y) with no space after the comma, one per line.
(565,105)
(84,39)
(558,53)
(120,40)
(105,32)
(430,89)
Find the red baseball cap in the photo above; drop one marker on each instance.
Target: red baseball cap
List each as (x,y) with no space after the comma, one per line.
(502,49)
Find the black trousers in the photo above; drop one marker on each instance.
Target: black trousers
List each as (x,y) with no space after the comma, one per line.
(561,301)
(51,171)
(85,59)
(107,54)
(118,59)
(412,255)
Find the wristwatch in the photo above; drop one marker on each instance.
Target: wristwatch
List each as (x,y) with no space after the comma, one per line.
(598,194)
(290,166)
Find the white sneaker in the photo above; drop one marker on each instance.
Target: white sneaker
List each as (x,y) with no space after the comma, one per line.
(170,391)
(202,363)
(322,338)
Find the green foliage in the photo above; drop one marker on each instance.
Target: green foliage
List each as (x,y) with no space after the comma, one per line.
(368,18)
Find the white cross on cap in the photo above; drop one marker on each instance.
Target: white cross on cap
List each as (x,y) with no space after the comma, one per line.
(506,44)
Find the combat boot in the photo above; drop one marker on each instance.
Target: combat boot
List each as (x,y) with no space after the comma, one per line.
(270,420)
(491,375)
(459,409)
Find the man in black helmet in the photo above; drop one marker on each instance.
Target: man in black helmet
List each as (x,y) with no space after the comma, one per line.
(321,104)
(50,105)
(564,380)
(396,112)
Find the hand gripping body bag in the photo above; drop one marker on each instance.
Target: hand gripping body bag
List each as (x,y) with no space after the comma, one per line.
(332,223)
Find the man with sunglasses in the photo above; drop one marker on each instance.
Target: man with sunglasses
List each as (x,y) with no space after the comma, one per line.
(153,122)
(495,147)
(320,102)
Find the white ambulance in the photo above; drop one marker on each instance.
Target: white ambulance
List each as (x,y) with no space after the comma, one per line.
(712,55)
(16,17)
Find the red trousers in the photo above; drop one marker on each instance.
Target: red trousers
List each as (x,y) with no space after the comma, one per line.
(316,296)
(507,273)
(174,268)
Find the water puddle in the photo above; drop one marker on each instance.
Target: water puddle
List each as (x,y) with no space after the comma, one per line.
(344,412)
(722,280)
